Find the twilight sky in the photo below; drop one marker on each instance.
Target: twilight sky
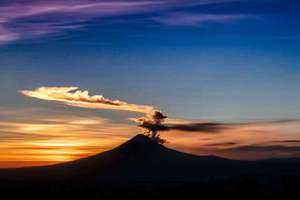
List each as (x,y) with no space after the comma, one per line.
(231,62)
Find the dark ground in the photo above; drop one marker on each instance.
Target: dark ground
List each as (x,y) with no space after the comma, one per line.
(142,169)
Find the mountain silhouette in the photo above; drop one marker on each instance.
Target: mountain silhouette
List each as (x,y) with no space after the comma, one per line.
(142,159)
(141,168)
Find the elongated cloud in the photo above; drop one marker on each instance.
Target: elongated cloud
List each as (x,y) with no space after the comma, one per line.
(150,125)
(73,96)
(196,19)
(35,18)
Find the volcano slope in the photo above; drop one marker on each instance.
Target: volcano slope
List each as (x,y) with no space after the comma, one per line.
(141,168)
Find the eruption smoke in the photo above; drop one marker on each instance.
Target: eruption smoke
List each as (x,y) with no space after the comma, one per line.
(73,96)
(151,123)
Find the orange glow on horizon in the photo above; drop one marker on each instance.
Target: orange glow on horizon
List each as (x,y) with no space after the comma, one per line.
(52,139)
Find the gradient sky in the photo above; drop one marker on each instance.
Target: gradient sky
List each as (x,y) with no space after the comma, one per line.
(227,61)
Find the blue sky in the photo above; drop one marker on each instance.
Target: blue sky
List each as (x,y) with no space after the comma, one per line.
(219,60)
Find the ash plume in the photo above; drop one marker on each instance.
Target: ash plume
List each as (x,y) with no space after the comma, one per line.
(73,96)
(152,123)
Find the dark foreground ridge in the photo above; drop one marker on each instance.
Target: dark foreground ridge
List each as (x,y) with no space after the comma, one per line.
(140,165)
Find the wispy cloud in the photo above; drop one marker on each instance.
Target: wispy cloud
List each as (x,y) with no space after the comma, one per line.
(31,19)
(197,19)
(256,140)
(55,138)
(37,18)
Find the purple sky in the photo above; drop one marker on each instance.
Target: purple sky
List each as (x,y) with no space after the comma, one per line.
(32,19)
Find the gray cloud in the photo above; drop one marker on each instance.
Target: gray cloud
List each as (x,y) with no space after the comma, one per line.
(208,127)
(268,148)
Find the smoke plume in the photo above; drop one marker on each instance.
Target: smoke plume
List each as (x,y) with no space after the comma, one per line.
(73,96)
(151,123)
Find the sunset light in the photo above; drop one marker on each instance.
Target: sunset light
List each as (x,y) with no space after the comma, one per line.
(147,99)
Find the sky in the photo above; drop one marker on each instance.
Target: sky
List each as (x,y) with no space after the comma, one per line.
(226,63)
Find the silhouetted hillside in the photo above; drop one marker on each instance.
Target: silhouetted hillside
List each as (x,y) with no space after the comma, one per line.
(140,162)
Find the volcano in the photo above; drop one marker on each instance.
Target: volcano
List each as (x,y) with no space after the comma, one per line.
(141,161)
